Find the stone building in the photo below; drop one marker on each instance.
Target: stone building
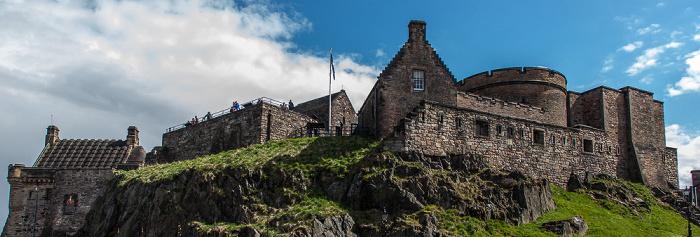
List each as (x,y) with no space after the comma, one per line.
(520,118)
(65,180)
(258,121)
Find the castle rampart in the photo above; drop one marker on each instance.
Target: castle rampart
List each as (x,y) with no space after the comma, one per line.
(497,106)
(540,87)
(537,149)
(254,124)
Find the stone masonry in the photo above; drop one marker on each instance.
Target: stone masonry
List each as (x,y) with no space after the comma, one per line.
(521,118)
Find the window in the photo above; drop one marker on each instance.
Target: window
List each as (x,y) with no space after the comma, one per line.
(554,140)
(538,136)
(499,130)
(418,80)
(522,133)
(459,122)
(511,132)
(482,128)
(587,146)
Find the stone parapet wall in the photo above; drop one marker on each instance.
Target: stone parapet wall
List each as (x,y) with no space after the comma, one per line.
(240,128)
(497,106)
(514,74)
(279,124)
(540,87)
(439,130)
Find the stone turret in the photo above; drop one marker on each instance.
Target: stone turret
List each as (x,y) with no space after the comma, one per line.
(132,137)
(51,135)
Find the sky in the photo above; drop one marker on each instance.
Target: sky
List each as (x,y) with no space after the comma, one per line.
(95,67)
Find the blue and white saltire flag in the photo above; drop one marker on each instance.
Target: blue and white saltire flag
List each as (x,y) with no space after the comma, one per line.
(332,72)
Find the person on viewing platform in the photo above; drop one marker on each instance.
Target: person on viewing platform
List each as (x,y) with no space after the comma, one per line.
(207,117)
(291,105)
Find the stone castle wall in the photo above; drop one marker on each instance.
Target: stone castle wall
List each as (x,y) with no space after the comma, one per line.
(283,123)
(85,185)
(439,130)
(671,166)
(540,87)
(497,106)
(647,135)
(240,128)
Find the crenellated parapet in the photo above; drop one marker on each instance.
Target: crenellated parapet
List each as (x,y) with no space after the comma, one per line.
(514,75)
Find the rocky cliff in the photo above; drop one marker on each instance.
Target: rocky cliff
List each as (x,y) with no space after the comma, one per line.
(314,187)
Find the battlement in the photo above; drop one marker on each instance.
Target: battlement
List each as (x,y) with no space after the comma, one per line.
(514,75)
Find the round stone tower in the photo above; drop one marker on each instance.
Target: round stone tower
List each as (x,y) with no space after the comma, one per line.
(539,87)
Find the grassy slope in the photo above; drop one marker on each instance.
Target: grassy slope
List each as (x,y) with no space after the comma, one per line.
(338,154)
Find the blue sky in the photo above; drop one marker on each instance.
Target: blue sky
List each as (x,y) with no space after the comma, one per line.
(99,66)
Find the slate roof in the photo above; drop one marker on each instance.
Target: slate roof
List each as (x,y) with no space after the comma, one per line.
(316,103)
(84,153)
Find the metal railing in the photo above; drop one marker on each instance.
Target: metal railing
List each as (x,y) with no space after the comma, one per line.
(220,113)
(305,132)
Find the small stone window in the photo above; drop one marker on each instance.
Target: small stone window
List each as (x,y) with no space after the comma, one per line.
(563,141)
(573,142)
(522,133)
(458,123)
(499,130)
(418,80)
(554,140)
(441,117)
(587,145)
(511,132)
(482,128)
(538,136)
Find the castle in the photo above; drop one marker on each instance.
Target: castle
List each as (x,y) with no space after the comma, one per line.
(516,118)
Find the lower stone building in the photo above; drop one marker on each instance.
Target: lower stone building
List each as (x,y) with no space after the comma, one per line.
(258,121)
(52,197)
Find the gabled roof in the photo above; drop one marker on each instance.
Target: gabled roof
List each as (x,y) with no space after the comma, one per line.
(84,153)
(318,103)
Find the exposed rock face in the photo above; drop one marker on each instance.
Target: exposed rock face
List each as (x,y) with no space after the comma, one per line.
(258,198)
(566,228)
(680,204)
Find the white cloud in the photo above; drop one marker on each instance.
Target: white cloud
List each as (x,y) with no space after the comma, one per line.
(608,64)
(650,58)
(653,28)
(646,80)
(696,37)
(691,82)
(688,151)
(660,4)
(380,53)
(98,69)
(632,46)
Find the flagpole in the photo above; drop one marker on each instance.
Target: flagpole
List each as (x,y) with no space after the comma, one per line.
(330,71)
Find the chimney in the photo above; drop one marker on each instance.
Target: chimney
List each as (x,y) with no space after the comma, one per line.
(51,135)
(416,30)
(132,137)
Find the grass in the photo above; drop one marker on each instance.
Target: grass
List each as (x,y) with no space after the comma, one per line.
(604,219)
(337,156)
(309,155)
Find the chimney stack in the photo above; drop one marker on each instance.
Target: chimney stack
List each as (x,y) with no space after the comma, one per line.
(132,137)
(416,30)
(51,135)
